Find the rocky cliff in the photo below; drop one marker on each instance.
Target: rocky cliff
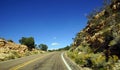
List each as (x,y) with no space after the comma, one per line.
(100,39)
(11,50)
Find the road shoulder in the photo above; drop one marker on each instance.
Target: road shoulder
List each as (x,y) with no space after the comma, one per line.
(72,64)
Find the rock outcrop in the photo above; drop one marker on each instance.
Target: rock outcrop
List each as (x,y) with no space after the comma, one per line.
(10,50)
(101,37)
(102,33)
(12,46)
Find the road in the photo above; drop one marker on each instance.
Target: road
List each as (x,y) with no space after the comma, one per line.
(47,61)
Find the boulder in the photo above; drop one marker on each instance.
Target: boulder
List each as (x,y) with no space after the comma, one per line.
(2,43)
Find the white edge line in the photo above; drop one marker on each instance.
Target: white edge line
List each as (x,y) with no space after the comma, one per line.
(65,62)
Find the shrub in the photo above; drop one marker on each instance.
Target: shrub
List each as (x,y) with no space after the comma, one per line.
(27,53)
(95,61)
(110,64)
(16,54)
(91,60)
(10,57)
(84,48)
(72,55)
(80,60)
(115,58)
(10,40)
(98,60)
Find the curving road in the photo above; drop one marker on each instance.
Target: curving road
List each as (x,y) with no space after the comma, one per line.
(48,61)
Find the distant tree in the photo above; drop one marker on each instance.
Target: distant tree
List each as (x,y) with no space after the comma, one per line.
(10,40)
(50,50)
(29,42)
(67,48)
(64,48)
(43,47)
(106,3)
(2,38)
(35,45)
(91,15)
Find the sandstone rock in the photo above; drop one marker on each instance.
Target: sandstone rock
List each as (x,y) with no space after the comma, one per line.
(22,48)
(100,14)
(2,43)
(6,47)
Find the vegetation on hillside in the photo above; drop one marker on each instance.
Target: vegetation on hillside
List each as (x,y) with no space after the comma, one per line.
(98,45)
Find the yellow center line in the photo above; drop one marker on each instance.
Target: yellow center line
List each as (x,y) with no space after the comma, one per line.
(24,64)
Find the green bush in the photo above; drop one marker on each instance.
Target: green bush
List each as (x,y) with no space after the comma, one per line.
(27,53)
(16,54)
(10,40)
(95,61)
(110,64)
(84,48)
(81,59)
(72,55)
(10,57)
(91,59)
(98,60)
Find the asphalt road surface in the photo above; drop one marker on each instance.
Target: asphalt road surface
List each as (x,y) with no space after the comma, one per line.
(47,61)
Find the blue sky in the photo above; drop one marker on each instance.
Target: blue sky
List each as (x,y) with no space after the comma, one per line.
(52,22)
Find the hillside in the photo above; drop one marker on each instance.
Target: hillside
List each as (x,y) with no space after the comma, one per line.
(97,46)
(11,50)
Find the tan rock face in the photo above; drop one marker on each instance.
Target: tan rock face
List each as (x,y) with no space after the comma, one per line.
(116,6)
(100,14)
(98,35)
(22,48)
(2,42)
(8,49)
(12,46)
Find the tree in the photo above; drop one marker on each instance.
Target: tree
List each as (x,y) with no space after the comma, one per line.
(10,40)
(67,48)
(64,48)
(43,47)
(2,38)
(29,42)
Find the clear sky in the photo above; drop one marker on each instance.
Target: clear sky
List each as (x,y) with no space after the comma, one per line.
(52,22)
